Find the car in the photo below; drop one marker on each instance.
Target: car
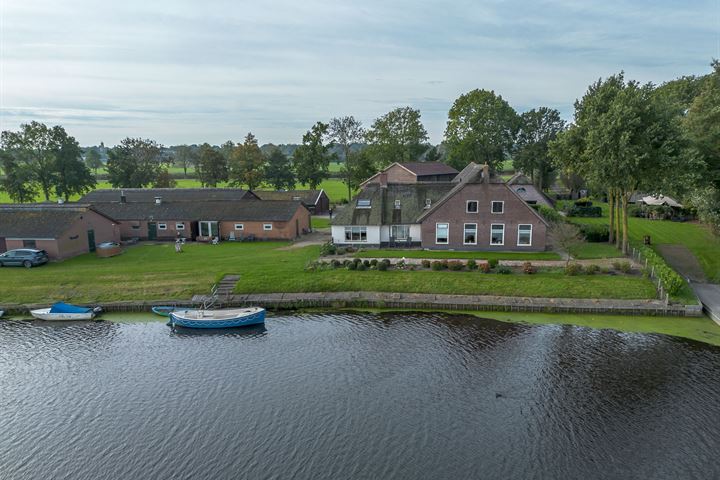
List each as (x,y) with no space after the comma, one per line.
(23,257)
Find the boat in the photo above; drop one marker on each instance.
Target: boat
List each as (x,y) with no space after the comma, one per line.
(2,312)
(162,310)
(65,311)
(223,318)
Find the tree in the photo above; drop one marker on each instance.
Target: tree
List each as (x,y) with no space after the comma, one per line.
(344,131)
(538,127)
(185,157)
(92,159)
(481,128)
(311,160)
(211,167)
(565,237)
(702,126)
(397,136)
(18,181)
(246,163)
(164,180)
(134,163)
(34,150)
(360,168)
(433,155)
(73,177)
(278,170)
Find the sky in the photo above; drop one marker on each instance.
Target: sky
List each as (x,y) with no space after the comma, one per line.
(195,71)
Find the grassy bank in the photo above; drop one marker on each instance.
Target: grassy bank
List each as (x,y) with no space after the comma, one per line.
(394,253)
(147,272)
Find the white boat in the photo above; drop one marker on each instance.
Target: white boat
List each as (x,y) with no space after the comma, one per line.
(225,318)
(2,312)
(65,312)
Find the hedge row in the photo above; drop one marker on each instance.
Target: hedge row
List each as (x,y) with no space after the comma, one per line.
(671,281)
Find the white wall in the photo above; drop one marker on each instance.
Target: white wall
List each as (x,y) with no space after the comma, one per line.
(414,233)
(373,235)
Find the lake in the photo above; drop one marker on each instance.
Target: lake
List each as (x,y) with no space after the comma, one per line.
(336,396)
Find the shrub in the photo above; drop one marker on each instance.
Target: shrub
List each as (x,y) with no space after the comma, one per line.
(382,266)
(385,261)
(350,249)
(595,233)
(472,264)
(373,262)
(335,263)
(579,211)
(366,263)
(528,268)
(400,264)
(352,266)
(341,251)
(445,264)
(493,262)
(357,261)
(622,266)
(485,267)
(583,202)
(328,248)
(573,269)
(437,266)
(550,214)
(347,262)
(425,263)
(592,269)
(362,266)
(604,270)
(669,278)
(503,270)
(455,266)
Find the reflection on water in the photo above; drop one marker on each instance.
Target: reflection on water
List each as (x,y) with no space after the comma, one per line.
(355,396)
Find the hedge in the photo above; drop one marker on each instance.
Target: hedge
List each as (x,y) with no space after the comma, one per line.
(671,281)
(595,233)
(578,211)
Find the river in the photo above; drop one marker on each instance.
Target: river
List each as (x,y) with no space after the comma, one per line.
(341,396)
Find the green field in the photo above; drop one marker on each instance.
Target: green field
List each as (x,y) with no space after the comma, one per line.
(394,253)
(318,222)
(592,251)
(147,272)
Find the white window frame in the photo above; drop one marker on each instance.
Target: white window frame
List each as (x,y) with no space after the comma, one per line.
(395,227)
(397,204)
(179,226)
(447,228)
(503,234)
(267,227)
(518,235)
(367,203)
(467,206)
(208,224)
(428,202)
(502,203)
(359,231)
(465,225)
(162,226)
(239,226)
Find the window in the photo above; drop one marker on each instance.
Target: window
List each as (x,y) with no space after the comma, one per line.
(356,234)
(239,226)
(400,232)
(397,203)
(524,235)
(208,229)
(497,234)
(179,226)
(497,207)
(29,244)
(470,234)
(442,233)
(267,226)
(162,226)
(471,206)
(136,227)
(428,203)
(521,190)
(363,203)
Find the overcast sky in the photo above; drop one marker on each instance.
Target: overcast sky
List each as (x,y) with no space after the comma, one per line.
(195,71)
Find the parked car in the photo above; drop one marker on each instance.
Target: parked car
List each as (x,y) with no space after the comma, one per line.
(23,257)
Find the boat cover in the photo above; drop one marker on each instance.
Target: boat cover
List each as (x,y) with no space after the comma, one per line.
(61,307)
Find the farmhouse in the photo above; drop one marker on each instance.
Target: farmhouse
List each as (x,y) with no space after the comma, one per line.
(64,230)
(527,190)
(474,211)
(413,172)
(316,201)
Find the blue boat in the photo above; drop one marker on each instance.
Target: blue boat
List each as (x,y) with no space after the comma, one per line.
(225,318)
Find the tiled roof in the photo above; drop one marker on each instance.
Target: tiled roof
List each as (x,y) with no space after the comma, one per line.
(308,197)
(169,194)
(429,168)
(247,210)
(39,220)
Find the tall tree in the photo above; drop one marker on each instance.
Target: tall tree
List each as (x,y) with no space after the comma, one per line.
(134,163)
(18,181)
(164,179)
(311,160)
(278,170)
(92,159)
(433,154)
(246,163)
(481,128)
(211,167)
(703,125)
(344,132)
(361,167)
(397,136)
(538,127)
(73,177)
(33,149)
(185,157)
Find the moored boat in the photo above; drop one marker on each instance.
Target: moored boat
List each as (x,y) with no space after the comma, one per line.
(65,312)
(163,311)
(224,318)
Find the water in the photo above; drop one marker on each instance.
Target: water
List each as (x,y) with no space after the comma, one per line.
(355,396)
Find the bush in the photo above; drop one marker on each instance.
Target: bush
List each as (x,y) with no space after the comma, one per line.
(382,266)
(592,269)
(622,266)
(437,266)
(604,270)
(493,262)
(373,262)
(357,261)
(366,263)
(425,263)
(595,233)
(362,267)
(579,211)
(583,202)
(455,266)
(485,267)
(341,251)
(335,263)
(528,268)
(328,248)
(550,214)
(669,278)
(400,264)
(352,266)
(472,264)
(574,269)
(503,270)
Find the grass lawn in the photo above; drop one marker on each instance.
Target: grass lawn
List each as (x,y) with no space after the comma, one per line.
(147,272)
(694,236)
(393,253)
(318,222)
(592,251)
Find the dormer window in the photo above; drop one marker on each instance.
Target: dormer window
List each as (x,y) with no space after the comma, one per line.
(397,204)
(428,203)
(471,206)
(363,203)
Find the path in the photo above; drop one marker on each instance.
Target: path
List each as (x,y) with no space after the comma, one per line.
(318,237)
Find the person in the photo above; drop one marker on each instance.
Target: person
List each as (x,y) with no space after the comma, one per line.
(178,246)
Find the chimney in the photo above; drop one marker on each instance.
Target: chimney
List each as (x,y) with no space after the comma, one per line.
(486,173)
(382,178)
(122,196)
(158,200)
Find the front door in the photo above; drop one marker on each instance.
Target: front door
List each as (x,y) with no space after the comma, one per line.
(152,231)
(91,240)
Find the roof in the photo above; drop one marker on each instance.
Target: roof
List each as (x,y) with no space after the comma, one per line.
(661,200)
(171,194)
(41,220)
(519,179)
(248,210)
(308,197)
(429,168)
(473,173)
(382,211)
(531,194)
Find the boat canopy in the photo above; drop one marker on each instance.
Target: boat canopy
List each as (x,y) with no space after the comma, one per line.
(61,307)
